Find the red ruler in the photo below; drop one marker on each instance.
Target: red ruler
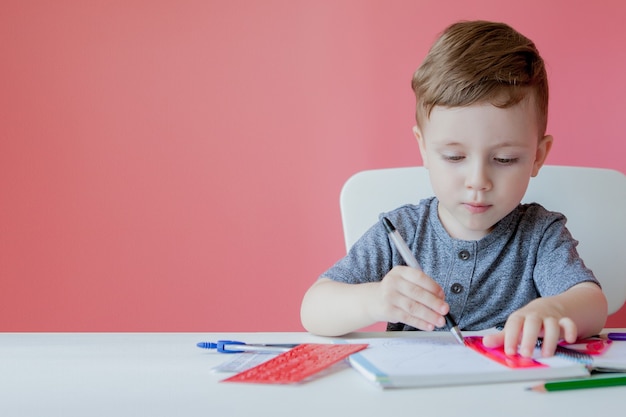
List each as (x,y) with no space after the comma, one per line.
(297,364)
(498,355)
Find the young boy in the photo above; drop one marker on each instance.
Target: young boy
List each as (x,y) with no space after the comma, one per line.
(489,261)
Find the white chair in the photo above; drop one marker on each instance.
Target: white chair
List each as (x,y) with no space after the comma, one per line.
(593,199)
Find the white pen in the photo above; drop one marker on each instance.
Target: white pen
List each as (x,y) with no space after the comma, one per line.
(410,260)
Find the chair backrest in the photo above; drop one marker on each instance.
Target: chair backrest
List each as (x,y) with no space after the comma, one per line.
(593,199)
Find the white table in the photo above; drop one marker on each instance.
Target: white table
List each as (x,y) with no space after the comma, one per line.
(165,374)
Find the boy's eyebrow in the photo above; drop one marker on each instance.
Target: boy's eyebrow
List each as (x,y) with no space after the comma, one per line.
(504,144)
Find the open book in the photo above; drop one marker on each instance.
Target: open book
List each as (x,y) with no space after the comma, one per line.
(424,359)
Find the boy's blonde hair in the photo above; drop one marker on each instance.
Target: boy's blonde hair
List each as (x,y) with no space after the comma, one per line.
(479,61)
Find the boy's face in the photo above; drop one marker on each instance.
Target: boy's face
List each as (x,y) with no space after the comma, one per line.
(480,160)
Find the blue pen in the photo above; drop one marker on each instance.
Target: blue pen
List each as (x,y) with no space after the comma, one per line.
(616,336)
(234,346)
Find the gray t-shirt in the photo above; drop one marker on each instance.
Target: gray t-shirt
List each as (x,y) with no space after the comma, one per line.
(529,254)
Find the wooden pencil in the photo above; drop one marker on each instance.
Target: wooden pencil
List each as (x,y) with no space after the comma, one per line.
(593,382)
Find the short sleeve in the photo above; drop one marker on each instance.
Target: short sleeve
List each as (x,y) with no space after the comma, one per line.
(559,266)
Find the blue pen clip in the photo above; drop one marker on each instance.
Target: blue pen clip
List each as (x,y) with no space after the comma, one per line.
(224,346)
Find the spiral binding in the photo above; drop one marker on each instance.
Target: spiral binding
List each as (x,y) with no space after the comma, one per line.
(580,357)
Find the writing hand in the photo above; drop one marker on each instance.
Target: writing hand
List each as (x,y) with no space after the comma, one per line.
(407,295)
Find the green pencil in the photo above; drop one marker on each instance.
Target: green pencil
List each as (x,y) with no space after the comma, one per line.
(597,382)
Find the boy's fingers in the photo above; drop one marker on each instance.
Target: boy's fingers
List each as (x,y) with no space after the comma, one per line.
(419,278)
(512,331)
(530,334)
(551,333)
(494,340)
(570,331)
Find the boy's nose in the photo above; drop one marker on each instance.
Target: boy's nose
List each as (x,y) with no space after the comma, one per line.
(478,178)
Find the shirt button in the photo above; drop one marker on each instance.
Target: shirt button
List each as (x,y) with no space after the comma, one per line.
(456,288)
(464,255)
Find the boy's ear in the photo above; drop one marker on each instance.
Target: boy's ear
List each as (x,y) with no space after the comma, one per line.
(543,149)
(420,142)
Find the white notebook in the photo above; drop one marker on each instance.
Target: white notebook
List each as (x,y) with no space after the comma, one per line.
(426,359)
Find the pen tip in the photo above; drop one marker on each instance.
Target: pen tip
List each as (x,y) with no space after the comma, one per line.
(388,225)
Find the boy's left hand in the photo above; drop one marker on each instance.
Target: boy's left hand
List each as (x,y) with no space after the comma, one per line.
(525,326)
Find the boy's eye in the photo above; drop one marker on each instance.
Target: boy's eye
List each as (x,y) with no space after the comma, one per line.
(505,161)
(453,158)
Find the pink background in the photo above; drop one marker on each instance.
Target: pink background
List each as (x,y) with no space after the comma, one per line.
(176,165)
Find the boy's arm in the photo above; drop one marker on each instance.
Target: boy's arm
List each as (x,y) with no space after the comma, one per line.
(578,312)
(405,295)
(331,308)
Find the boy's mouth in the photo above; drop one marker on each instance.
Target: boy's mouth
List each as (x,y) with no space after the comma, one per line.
(477,208)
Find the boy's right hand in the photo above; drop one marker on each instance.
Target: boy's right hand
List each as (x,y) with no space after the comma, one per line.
(409,296)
